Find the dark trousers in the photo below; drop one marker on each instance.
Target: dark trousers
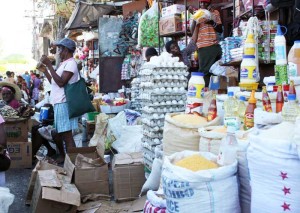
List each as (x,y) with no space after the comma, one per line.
(207,56)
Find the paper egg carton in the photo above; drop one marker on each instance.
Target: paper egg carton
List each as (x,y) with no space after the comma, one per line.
(152,141)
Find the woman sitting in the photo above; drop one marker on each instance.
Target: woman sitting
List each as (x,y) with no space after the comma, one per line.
(11,94)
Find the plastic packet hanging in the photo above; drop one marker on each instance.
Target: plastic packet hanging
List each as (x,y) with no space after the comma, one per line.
(202,14)
(148,29)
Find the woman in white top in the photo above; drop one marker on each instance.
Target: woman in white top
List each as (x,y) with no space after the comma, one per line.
(66,73)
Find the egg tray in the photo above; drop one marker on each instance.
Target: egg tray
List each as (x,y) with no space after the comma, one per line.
(149,147)
(175,85)
(148,164)
(149,95)
(164,71)
(149,155)
(157,109)
(153,128)
(152,142)
(153,135)
(159,153)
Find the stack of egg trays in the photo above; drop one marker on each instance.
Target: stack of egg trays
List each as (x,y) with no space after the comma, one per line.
(162,90)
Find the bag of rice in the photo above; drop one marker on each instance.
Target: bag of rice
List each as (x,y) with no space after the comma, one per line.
(181,132)
(205,191)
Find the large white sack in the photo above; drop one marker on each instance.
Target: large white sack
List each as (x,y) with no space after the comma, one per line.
(130,139)
(6,199)
(274,170)
(178,136)
(206,191)
(210,141)
(244,177)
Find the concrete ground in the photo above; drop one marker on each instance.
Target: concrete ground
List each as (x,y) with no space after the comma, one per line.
(17,181)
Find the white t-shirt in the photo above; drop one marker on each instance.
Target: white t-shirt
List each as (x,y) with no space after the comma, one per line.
(58,93)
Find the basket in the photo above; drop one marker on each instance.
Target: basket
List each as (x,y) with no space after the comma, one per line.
(248,86)
(91,116)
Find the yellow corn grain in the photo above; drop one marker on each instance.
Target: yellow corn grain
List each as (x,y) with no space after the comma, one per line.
(196,163)
(190,119)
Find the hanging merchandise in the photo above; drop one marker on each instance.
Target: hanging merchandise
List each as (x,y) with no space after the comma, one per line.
(249,114)
(294,60)
(290,110)
(279,99)
(281,74)
(248,72)
(195,94)
(148,29)
(292,89)
(266,100)
(280,47)
(254,28)
(125,73)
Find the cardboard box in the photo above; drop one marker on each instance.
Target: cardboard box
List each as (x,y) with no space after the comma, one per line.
(20,154)
(53,194)
(16,130)
(88,179)
(170,25)
(128,175)
(41,165)
(172,10)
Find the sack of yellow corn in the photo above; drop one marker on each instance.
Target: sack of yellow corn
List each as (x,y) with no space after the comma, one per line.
(196,163)
(200,14)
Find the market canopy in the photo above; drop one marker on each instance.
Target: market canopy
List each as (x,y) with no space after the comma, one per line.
(86,15)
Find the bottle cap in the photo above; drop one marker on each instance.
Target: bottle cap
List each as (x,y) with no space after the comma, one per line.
(230,129)
(252,99)
(249,56)
(230,94)
(279,32)
(242,98)
(291,97)
(197,74)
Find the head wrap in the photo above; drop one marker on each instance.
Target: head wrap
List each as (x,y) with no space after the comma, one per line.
(168,45)
(10,89)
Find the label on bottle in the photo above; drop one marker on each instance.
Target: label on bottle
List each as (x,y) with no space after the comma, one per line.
(212,114)
(249,120)
(196,91)
(280,52)
(194,108)
(232,121)
(248,73)
(292,69)
(279,106)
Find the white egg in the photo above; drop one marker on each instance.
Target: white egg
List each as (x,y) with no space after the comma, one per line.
(181,89)
(180,102)
(155,116)
(174,102)
(168,102)
(162,89)
(175,89)
(169,89)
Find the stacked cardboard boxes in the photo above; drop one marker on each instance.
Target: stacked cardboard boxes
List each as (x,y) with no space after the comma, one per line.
(20,150)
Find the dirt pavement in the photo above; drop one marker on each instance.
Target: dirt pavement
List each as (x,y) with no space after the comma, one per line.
(17,181)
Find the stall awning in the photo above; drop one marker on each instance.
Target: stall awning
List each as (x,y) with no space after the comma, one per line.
(85,15)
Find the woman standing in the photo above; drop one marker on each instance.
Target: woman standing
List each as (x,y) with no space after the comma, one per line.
(36,91)
(66,73)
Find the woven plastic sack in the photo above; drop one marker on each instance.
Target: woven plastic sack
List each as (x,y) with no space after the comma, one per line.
(273,165)
(210,141)
(178,137)
(205,191)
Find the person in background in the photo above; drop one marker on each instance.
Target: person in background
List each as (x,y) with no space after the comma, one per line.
(209,51)
(13,76)
(27,79)
(66,73)
(36,91)
(11,94)
(9,77)
(4,157)
(151,51)
(173,48)
(23,87)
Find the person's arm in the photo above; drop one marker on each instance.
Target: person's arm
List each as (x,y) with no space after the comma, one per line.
(2,133)
(218,27)
(62,80)
(43,69)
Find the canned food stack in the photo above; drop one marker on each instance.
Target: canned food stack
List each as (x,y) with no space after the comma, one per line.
(162,91)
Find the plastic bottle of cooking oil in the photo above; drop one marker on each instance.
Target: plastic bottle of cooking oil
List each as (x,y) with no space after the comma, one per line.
(241,109)
(230,114)
(294,60)
(228,148)
(290,110)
